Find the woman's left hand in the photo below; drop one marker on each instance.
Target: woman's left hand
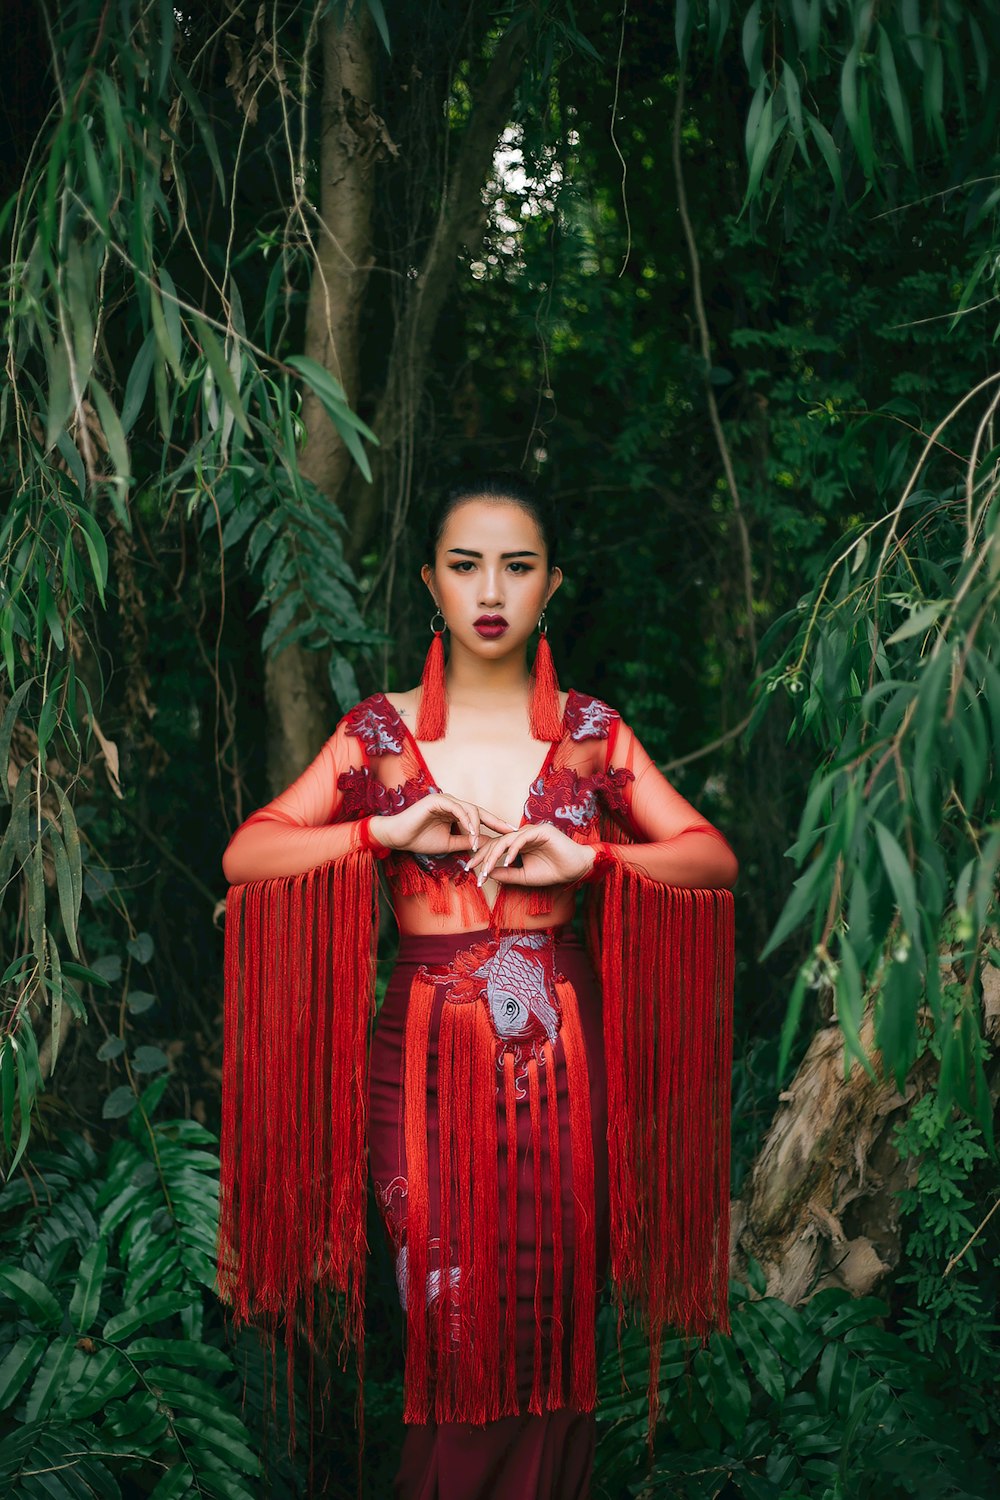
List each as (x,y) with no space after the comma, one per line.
(548,857)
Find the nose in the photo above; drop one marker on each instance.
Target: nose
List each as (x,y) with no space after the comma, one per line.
(491,590)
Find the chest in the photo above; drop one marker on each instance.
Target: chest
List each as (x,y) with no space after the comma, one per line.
(491,767)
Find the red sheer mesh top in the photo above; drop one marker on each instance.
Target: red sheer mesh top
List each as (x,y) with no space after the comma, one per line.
(597,784)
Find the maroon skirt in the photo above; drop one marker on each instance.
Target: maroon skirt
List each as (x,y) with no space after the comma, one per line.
(489,1045)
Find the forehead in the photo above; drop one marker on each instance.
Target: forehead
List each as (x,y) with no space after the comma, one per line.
(491,526)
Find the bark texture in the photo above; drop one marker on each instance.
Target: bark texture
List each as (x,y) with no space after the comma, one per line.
(821,1206)
(353,140)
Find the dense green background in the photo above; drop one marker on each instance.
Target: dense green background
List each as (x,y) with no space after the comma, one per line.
(849,304)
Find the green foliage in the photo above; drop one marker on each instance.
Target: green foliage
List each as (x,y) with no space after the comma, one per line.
(817,1402)
(133,381)
(111,1369)
(891,661)
(952,1311)
(856,84)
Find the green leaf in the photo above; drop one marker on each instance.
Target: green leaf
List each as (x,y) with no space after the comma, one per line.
(117,447)
(18,1364)
(900,878)
(176,1481)
(919,621)
(806,892)
(154,1310)
(828,150)
(191,99)
(378,16)
(94,1380)
(722,1377)
(140,947)
(898,107)
(30,1295)
(7,729)
(120,1102)
(139,1001)
(333,399)
(184,1352)
(86,1297)
(234,1453)
(149,1059)
(46,1384)
(759,1354)
(219,366)
(138,381)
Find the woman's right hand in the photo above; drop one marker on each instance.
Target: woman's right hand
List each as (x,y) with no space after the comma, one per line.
(427,827)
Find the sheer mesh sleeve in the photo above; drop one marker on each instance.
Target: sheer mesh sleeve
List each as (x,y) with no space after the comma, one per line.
(675,845)
(295,831)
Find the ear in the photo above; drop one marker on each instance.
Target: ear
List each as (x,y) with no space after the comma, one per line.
(555,579)
(427,574)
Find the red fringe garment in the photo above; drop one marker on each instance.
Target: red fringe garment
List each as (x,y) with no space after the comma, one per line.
(300,993)
(292,1216)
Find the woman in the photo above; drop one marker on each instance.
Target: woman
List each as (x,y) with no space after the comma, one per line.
(498,1087)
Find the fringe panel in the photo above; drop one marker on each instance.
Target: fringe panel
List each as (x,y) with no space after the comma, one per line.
(292,1189)
(583,1371)
(667,961)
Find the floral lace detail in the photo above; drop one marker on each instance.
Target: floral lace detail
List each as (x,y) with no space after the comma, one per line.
(571,801)
(365,796)
(377,725)
(588,718)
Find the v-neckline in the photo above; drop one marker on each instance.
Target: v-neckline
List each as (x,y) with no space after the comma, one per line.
(415,746)
(498,905)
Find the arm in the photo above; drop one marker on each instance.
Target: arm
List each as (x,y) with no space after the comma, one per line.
(675,845)
(295,832)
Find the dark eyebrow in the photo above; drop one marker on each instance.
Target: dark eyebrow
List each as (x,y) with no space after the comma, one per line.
(465,552)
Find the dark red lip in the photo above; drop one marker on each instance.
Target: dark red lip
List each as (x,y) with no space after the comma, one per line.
(490,626)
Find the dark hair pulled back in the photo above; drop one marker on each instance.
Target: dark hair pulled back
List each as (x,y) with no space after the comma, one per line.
(498,485)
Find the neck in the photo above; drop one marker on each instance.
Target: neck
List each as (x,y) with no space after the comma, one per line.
(473,679)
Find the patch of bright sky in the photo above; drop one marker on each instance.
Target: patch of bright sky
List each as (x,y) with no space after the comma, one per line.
(513,194)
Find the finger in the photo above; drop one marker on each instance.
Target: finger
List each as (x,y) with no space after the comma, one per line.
(459,814)
(504,849)
(513,876)
(472,814)
(495,821)
(486,844)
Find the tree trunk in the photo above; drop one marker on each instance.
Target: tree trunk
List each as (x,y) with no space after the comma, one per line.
(460,223)
(298,698)
(821,1206)
(353,139)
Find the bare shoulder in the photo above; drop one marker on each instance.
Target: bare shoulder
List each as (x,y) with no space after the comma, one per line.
(405,703)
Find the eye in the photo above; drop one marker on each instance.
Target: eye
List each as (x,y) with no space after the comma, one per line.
(520,567)
(461,567)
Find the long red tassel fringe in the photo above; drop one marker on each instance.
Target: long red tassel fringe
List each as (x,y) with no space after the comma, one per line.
(543,705)
(432,715)
(667,959)
(452,1357)
(583,1372)
(298,1009)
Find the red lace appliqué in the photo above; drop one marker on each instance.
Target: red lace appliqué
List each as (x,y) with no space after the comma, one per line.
(571,801)
(377,725)
(365,796)
(588,718)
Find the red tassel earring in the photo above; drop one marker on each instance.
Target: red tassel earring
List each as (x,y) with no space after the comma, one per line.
(543,706)
(432,716)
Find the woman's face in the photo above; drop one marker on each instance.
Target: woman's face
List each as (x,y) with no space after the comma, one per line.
(491,576)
